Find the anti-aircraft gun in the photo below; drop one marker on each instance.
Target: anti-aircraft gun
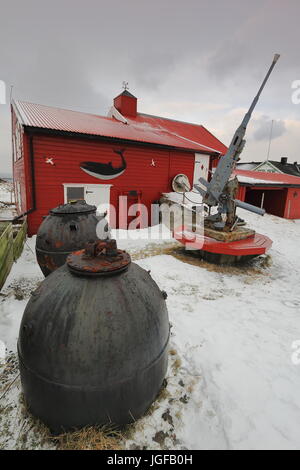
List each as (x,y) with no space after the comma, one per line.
(221,191)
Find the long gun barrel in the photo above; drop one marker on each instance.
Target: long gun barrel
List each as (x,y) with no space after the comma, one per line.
(224,169)
(249,207)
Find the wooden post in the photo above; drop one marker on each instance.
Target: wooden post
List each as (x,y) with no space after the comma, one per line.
(11,247)
(6,251)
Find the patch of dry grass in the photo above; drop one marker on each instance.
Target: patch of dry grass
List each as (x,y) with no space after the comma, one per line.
(257,266)
(153,249)
(172,352)
(254,267)
(176,365)
(90,438)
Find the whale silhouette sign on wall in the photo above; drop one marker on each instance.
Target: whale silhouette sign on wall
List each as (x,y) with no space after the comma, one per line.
(105,171)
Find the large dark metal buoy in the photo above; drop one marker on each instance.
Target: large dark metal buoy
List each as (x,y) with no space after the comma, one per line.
(67,228)
(93,341)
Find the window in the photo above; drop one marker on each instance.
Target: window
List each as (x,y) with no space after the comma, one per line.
(74,193)
(17,141)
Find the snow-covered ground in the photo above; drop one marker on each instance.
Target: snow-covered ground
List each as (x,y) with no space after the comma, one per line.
(233,380)
(7,208)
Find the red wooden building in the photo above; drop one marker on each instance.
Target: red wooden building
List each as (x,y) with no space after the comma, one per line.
(59,155)
(278,194)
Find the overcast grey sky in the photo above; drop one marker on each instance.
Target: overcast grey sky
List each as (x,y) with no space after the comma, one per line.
(195,60)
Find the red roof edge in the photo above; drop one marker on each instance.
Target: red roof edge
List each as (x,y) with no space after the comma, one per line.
(216,138)
(280,178)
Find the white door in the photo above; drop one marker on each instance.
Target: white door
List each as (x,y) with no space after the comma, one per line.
(201,167)
(95,194)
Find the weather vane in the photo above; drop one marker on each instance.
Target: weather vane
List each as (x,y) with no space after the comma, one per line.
(125,85)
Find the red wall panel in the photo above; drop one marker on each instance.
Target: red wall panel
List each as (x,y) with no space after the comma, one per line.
(292,207)
(241,193)
(181,162)
(149,170)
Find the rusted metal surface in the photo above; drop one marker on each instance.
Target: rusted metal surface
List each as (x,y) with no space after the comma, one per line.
(67,228)
(93,350)
(99,258)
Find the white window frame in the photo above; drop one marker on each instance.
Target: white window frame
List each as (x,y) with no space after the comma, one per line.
(86,186)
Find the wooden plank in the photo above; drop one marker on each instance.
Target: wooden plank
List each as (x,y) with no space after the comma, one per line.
(6,239)
(3,226)
(6,265)
(6,252)
(11,247)
(19,241)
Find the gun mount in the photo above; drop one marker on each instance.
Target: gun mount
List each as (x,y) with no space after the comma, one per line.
(221,191)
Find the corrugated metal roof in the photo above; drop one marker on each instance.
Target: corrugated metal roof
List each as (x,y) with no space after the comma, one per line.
(143,128)
(261,178)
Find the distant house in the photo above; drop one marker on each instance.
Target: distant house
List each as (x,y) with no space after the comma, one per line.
(277,192)
(60,155)
(272,166)
(273,185)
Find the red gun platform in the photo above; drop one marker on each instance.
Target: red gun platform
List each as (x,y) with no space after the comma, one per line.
(240,250)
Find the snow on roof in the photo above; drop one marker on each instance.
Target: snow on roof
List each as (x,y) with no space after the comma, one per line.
(266,179)
(142,128)
(278,166)
(247,165)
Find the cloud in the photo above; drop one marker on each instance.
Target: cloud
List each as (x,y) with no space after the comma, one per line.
(229,57)
(262,128)
(152,69)
(195,61)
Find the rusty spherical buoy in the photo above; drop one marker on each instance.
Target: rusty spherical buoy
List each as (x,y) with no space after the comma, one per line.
(67,228)
(93,342)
